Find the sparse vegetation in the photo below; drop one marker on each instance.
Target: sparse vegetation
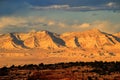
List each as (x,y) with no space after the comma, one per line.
(63,71)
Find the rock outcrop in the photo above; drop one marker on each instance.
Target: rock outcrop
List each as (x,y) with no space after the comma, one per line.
(90,39)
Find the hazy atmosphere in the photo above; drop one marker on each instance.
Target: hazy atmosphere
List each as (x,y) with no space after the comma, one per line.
(59,15)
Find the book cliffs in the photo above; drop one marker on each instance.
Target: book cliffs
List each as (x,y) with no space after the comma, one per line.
(91,39)
(47,47)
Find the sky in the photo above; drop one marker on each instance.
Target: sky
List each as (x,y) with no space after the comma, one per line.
(59,15)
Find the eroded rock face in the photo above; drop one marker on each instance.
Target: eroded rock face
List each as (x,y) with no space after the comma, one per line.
(10,41)
(44,39)
(89,39)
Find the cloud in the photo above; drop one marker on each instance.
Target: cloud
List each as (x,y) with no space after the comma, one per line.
(78,5)
(51,23)
(10,7)
(22,24)
(23,21)
(72,3)
(108,6)
(84,25)
(105,26)
(111,4)
(11,21)
(62,25)
(51,7)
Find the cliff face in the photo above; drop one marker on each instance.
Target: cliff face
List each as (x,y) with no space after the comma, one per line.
(90,39)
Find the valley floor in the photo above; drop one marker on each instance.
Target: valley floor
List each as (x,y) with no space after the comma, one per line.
(48,56)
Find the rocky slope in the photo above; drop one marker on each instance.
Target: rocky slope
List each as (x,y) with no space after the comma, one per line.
(41,39)
(90,39)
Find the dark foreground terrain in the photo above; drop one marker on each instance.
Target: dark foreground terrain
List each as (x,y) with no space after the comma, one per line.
(63,71)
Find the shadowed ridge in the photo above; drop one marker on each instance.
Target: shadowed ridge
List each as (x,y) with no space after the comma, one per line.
(117,38)
(117,35)
(17,41)
(93,38)
(77,42)
(56,38)
(43,39)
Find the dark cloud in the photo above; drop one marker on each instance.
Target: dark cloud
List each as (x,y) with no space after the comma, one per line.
(72,3)
(8,7)
(77,5)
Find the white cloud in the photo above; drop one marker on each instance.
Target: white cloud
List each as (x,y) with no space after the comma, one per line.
(51,7)
(65,7)
(59,6)
(84,25)
(111,4)
(108,6)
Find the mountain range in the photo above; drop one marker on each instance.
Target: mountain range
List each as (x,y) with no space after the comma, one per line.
(90,39)
(49,47)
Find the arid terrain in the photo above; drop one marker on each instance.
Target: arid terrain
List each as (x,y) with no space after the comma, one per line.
(63,71)
(47,47)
